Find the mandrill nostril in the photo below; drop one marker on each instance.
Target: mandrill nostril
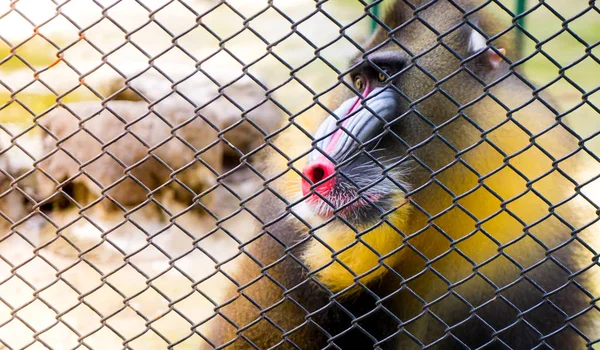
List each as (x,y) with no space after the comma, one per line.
(317,172)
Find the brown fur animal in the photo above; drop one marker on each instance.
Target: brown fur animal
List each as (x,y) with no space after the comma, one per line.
(102,169)
(128,149)
(241,111)
(18,151)
(434,209)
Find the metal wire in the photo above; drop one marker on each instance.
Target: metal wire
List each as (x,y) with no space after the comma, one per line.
(132,194)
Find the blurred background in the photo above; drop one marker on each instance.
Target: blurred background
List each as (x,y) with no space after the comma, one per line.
(153,295)
(90,35)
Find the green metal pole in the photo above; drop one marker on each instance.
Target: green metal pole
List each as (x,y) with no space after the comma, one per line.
(521,22)
(376,14)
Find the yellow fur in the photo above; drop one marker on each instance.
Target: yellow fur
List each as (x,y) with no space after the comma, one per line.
(355,251)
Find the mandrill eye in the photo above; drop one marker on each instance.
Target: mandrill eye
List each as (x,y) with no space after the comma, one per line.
(359,84)
(383,73)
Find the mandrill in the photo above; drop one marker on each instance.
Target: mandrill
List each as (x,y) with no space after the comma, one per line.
(436,205)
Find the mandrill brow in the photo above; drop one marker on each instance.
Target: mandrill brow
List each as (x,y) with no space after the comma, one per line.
(413,218)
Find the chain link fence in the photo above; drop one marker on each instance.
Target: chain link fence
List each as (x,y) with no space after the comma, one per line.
(202,174)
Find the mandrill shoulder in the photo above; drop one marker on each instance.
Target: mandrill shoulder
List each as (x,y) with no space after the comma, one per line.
(275,291)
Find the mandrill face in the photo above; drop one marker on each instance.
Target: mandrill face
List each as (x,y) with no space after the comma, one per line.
(356,169)
(380,141)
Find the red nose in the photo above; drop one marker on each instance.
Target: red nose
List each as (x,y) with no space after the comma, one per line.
(316,172)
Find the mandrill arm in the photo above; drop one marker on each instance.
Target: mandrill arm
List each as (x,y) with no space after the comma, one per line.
(284,305)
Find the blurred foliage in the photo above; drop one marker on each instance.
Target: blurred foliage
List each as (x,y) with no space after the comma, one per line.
(566,50)
(15,112)
(37,53)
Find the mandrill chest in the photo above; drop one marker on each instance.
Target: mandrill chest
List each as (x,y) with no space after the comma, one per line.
(343,256)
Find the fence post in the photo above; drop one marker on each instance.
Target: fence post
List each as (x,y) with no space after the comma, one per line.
(376,15)
(521,23)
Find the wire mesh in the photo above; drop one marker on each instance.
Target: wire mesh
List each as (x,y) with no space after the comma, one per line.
(180,174)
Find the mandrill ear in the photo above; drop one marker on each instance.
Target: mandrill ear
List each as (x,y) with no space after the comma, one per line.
(490,57)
